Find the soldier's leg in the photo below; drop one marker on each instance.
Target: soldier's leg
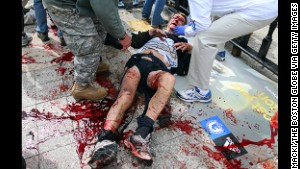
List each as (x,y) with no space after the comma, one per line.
(84,42)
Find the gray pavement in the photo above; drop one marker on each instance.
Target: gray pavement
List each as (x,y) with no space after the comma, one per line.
(59,132)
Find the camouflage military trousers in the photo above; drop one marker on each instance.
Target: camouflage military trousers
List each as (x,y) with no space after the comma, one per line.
(84,37)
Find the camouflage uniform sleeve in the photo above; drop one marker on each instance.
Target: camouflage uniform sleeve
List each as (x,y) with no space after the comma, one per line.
(107,12)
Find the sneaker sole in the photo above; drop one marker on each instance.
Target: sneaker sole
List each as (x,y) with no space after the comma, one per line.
(83,98)
(131,147)
(190,101)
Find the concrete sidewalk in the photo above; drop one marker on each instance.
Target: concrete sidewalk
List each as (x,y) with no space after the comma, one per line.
(59,132)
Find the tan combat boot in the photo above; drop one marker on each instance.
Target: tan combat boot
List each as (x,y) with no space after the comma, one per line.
(88,92)
(103,67)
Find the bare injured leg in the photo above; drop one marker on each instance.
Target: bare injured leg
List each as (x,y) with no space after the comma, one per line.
(106,148)
(124,100)
(163,82)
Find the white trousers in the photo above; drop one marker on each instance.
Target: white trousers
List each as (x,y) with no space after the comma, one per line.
(206,43)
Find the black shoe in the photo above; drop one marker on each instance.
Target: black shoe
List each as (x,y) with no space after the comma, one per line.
(62,42)
(43,36)
(106,149)
(106,153)
(111,41)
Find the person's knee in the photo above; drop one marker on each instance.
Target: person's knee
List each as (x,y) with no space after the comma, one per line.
(170,78)
(167,80)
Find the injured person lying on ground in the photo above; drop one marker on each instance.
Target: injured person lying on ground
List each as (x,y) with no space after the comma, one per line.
(150,71)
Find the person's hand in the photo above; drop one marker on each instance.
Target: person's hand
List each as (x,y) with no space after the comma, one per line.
(125,42)
(179,30)
(157,33)
(183,46)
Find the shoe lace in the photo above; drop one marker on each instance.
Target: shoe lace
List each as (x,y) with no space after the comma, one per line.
(193,93)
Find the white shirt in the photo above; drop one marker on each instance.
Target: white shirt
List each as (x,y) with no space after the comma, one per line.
(202,10)
(166,48)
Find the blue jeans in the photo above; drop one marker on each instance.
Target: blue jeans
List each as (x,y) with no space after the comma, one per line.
(159,6)
(41,16)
